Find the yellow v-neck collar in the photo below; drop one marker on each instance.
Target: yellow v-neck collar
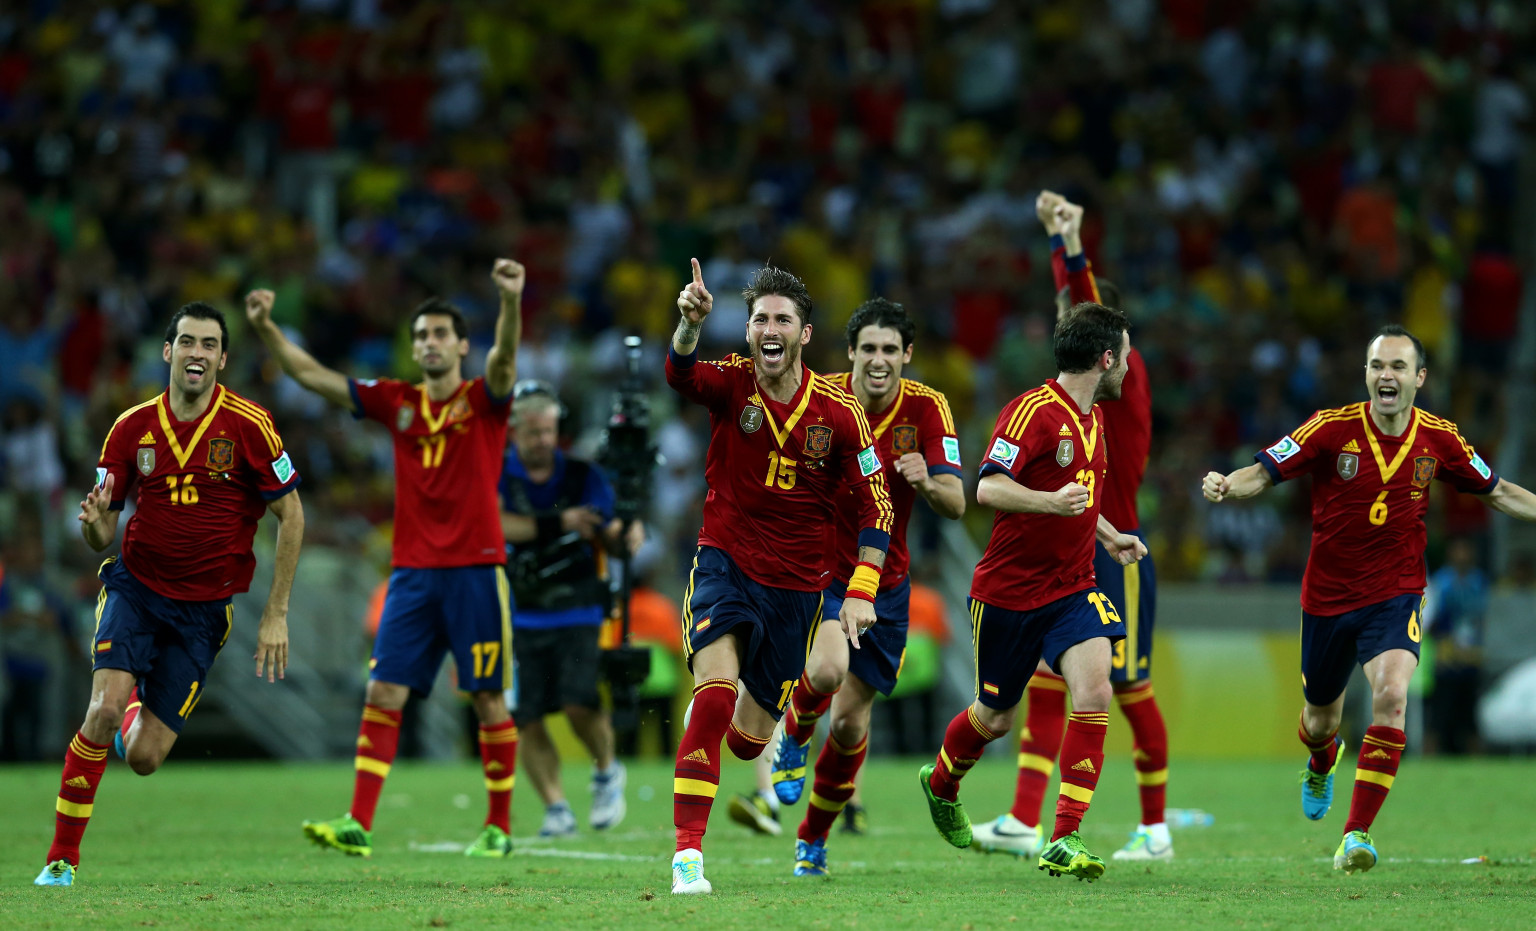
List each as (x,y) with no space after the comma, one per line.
(1389,470)
(889,417)
(794,418)
(1090,437)
(434,424)
(162,407)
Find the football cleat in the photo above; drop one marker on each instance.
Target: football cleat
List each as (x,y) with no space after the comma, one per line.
(753,811)
(344,834)
(811,857)
(57,873)
(1356,853)
(119,746)
(855,819)
(1317,788)
(608,806)
(1068,855)
(949,817)
(1006,834)
(789,769)
(559,821)
(492,842)
(1148,842)
(688,874)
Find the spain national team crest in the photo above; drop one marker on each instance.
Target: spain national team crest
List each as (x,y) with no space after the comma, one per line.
(221,454)
(818,440)
(751,419)
(459,411)
(904,439)
(1065,453)
(146,460)
(404,417)
(1424,471)
(1348,466)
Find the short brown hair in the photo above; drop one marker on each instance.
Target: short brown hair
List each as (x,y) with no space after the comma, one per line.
(770,281)
(1084,333)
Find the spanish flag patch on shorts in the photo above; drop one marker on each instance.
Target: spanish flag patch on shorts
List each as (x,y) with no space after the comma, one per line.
(989,688)
(103,646)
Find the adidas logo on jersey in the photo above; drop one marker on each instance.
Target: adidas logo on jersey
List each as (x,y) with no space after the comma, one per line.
(148,439)
(1351,447)
(79,782)
(1378,754)
(698,756)
(1064,431)
(1085,766)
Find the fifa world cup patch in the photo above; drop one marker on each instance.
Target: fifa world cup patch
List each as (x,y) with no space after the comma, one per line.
(751,419)
(404,417)
(1065,453)
(1284,449)
(904,439)
(1348,466)
(1424,471)
(818,440)
(145,460)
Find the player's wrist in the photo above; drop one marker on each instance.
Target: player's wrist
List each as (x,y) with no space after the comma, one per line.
(864,582)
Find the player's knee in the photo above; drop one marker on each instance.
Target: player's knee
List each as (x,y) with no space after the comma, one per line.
(102,717)
(995,720)
(144,763)
(850,727)
(826,674)
(1389,697)
(1093,697)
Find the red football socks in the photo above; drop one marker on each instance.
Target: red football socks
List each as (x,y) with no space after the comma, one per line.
(1150,739)
(130,714)
(806,706)
(1375,769)
(498,757)
(1044,722)
(377,739)
(1082,760)
(84,762)
(964,741)
(1324,751)
(697,777)
(832,787)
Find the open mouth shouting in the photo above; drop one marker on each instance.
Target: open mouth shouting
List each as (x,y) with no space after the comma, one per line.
(195,371)
(878,380)
(772,349)
(1387,394)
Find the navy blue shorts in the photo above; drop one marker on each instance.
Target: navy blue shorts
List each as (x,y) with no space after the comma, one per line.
(1010,644)
(877,661)
(430,612)
(168,645)
(1133,589)
(775,626)
(1332,646)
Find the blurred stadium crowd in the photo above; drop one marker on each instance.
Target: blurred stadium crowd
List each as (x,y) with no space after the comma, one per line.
(1266,182)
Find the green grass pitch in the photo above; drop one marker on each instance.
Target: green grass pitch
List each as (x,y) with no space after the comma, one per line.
(218,846)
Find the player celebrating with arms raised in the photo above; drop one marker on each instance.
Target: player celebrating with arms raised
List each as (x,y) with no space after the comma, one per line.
(448,591)
(1371,464)
(1033,595)
(785,445)
(915,432)
(206,464)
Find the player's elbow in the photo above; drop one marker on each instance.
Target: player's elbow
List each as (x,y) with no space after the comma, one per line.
(986,492)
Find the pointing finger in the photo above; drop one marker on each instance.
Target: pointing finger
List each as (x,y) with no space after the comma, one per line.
(698,273)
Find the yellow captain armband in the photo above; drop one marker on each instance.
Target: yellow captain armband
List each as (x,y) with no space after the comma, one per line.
(864,582)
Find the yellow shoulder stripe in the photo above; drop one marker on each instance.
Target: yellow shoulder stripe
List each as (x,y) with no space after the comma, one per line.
(259,417)
(1305,431)
(1026,411)
(124,416)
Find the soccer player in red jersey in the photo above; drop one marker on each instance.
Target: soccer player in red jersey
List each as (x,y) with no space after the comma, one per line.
(448,591)
(1128,440)
(785,446)
(1371,465)
(1033,595)
(204,465)
(915,432)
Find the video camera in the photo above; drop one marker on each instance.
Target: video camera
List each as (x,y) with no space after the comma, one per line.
(629,457)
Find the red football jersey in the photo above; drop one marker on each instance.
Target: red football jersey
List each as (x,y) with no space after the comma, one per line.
(1369,495)
(1042,442)
(776,471)
(448,459)
(918,421)
(200,486)
(1127,421)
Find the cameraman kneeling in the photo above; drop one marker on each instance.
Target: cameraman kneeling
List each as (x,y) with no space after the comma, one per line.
(557,517)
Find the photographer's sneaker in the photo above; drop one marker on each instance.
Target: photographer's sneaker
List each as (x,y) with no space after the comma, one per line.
(608,806)
(1148,842)
(1007,834)
(559,821)
(688,873)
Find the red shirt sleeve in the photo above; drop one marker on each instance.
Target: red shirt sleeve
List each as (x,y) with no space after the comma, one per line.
(862,470)
(117,460)
(272,469)
(1074,273)
(706,383)
(481,401)
(1013,442)
(942,446)
(1460,465)
(375,399)
(1297,451)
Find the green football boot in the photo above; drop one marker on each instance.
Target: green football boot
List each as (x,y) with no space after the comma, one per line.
(1356,853)
(344,834)
(949,817)
(492,842)
(1069,855)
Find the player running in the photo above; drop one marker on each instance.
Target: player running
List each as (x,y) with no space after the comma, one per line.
(1371,464)
(204,464)
(1033,595)
(1128,440)
(915,432)
(785,445)
(448,591)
